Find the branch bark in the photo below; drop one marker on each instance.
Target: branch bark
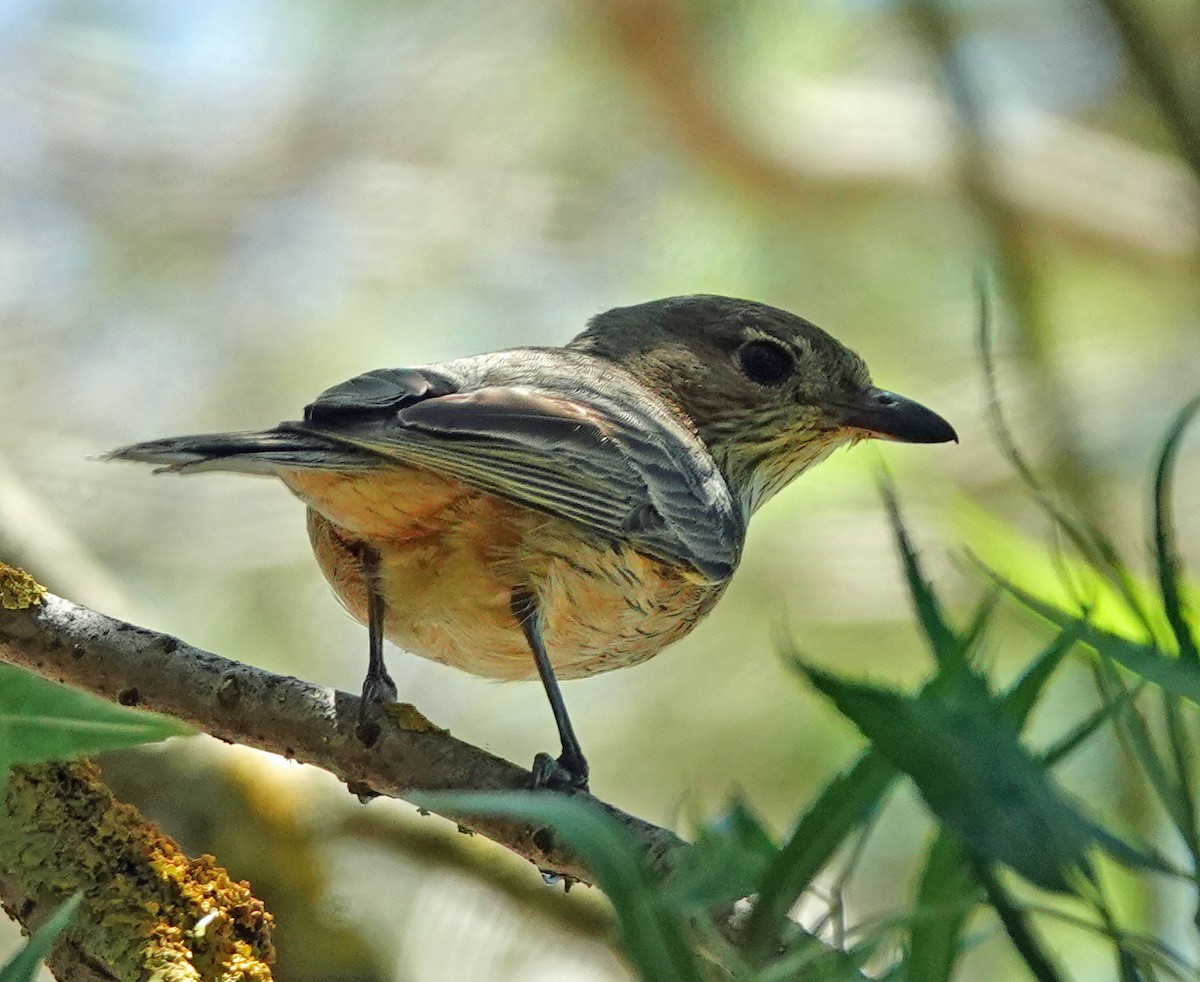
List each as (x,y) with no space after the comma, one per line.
(239,703)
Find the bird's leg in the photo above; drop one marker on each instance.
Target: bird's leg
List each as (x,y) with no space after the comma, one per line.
(378,687)
(570,771)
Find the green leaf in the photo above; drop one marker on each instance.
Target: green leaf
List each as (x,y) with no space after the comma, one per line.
(725,863)
(1137,857)
(25,963)
(1178,677)
(946,646)
(1101,562)
(1059,580)
(963,754)
(845,803)
(945,898)
(972,636)
(1139,739)
(1017,925)
(1165,555)
(652,929)
(1024,693)
(1082,731)
(42,720)
(820,963)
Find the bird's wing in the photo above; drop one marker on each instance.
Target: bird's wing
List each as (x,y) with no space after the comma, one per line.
(626,471)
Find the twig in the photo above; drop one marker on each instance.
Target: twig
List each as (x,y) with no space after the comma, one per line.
(1039,962)
(1014,249)
(242,704)
(1150,58)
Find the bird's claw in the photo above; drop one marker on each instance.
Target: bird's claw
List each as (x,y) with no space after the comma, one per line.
(377,691)
(563,774)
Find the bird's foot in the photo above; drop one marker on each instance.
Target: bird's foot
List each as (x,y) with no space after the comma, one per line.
(568,773)
(378,690)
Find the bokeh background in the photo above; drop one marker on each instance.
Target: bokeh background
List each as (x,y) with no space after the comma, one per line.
(209,212)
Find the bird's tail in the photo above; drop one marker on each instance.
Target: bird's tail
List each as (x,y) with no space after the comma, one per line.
(261,452)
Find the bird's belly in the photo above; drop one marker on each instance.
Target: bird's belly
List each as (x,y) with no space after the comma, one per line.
(448,569)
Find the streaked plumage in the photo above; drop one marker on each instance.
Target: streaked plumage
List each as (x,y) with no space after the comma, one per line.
(610,480)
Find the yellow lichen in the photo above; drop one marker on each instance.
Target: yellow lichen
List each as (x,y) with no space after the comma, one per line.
(18,589)
(60,830)
(408,717)
(243,965)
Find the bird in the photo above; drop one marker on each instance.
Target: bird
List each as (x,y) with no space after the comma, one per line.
(558,512)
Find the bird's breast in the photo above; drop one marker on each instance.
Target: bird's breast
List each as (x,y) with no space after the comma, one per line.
(451,556)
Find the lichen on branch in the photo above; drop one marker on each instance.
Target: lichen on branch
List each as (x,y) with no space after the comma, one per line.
(18,590)
(149,911)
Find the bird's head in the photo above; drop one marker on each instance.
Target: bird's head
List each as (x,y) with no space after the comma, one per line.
(769,393)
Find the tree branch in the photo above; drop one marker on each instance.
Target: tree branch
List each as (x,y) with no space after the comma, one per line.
(242,704)
(148,909)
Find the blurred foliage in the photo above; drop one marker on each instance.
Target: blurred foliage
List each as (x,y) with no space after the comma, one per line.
(42,720)
(997,810)
(23,966)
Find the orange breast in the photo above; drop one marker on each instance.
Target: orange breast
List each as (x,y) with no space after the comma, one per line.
(450,557)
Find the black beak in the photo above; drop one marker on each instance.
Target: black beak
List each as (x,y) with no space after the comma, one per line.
(892,417)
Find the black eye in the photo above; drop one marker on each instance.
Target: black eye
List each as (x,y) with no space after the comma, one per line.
(765,362)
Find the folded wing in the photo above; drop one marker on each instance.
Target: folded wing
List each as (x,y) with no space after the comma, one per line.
(624,468)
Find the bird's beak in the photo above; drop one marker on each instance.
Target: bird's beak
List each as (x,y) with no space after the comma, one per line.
(877,413)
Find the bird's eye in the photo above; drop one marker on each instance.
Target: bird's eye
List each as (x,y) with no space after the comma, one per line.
(765,362)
